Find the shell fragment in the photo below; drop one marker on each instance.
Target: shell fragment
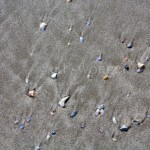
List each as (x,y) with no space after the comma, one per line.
(114,120)
(43,26)
(140,65)
(124,128)
(54,75)
(63,101)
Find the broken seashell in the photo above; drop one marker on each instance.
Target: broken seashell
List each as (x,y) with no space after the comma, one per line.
(100,106)
(124,128)
(89,21)
(114,120)
(147,58)
(27,81)
(31,93)
(16,121)
(140,65)
(68,43)
(22,126)
(69,1)
(73,114)
(130,45)
(140,70)
(63,101)
(37,147)
(48,136)
(97,112)
(99,58)
(43,26)
(81,39)
(53,132)
(102,112)
(54,75)
(114,137)
(106,77)
(52,113)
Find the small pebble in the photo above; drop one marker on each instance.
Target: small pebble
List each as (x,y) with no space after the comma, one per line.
(54,75)
(139,70)
(73,114)
(31,93)
(130,45)
(69,1)
(102,112)
(126,67)
(124,128)
(88,23)
(63,101)
(99,58)
(48,136)
(16,121)
(106,77)
(22,126)
(27,80)
(148,116)
(81,39)
(28,119)
(53,132)
(147,58)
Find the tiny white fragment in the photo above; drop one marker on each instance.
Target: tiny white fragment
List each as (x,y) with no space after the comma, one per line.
(54,75)
(43,26)
(48,136)
(62,101)
(114,120)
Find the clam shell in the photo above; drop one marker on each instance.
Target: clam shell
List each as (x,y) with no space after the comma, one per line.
(54,75)
(62,101)
(106,77)
(114,120)
(43,26)
(140,65)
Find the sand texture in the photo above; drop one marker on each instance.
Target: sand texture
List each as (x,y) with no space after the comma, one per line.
(28,53)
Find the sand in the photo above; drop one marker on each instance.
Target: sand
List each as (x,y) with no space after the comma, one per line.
(27,52)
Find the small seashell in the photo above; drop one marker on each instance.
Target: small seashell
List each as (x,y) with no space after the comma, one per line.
(124,128)
(28,119)
(63,101)
(102,112)
(139,70)
(126,67)
(27,81)
(130,45)
(43,26)
(106,77)
(126,59)
(16,121)
(148,116)
(69,1)
(53,132)
(52,113)
(88,76)
(100,106)
(140,65)
(88,23)
(37,147)
(99,58)
(114,139)
(97,112)
(114,120)
(31,93)
(73,114)
(147,58)
(54,75)
(81,39)
(68,43)
(22,126)
(123,39)
(48,136)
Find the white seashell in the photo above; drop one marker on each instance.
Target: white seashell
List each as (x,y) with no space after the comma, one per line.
(27,80)
(81,39)
(102,112)
(100,106)
(124,128)
(16,121)
(97,112)
(114,120)
(54,76)
(62,101)
(43,26)
(140,65)
(48,136)
(37,148)
(114,139)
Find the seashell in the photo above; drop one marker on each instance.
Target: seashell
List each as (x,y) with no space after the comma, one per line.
(114,139)
(63,101)
(81,39)
(100,106)
(130,45)
(52,113)
(99,58)
(27,81)
(89,21)
(68,43)
(16,121)
(54,75)
(43,26)
(69,1)
(48,136)
(139,70)
(37,147)
(88,76)
(114,120)
(106,77)
(140,65)
(124,128)
(102,112)
(97,112)
(28,119)
(21,126)
(53,132)
(148,116)
(73,114)
(126,67)
(31,93)
(147,58)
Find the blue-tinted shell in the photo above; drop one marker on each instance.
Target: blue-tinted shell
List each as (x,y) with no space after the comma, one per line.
(139,70)
(22,126)
(73,114)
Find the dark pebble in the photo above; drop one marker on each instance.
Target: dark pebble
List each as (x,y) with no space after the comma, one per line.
(126,67)
(73,114)
(53,132)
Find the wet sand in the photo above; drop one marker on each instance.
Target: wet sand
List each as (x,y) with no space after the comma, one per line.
(26,52)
